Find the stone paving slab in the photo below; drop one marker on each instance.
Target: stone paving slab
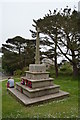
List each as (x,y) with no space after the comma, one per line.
(30,101)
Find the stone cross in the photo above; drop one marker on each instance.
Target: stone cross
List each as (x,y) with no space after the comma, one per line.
(37,57)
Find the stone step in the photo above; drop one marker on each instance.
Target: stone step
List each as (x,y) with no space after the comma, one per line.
(40,80)
(37,75)
(39,83)
(37,72)
(37,91)
(30,101)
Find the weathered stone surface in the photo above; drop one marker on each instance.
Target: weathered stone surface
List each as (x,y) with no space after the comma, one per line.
(30,101)
(38,88)
(37,75)
(40,83)
(37,91)
(37,68)
(40,80)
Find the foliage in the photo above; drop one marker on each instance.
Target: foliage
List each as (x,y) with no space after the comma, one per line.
(17,53)
(49,25)
(51,69)
(18,72)
(62,27)
(71,37)
(66,67)
(24,69)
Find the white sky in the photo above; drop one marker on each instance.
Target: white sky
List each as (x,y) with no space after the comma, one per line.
(16,16)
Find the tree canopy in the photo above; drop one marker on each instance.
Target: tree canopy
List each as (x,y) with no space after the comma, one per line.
(63,28)
(17,53)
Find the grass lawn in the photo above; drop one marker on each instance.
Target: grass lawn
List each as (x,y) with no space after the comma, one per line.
(0,100)
(66,108)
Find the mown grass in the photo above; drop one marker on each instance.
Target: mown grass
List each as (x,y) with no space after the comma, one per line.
(66,108)
(0,100)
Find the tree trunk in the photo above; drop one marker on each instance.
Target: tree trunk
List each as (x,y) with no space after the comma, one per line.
(55,52)
(56,66)
(75,69)
(20,58)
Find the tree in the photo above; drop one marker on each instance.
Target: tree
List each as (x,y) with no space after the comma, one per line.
(70,38)
(17,53)
(50,26)
(63,29)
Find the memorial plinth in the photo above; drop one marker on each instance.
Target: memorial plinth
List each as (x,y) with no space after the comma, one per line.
(38,87)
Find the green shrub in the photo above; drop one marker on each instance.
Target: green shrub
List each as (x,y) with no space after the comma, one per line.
(66,68)
(51,69)
(18,72)
(25,69)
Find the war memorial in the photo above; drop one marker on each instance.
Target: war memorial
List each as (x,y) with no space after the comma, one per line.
(38,86)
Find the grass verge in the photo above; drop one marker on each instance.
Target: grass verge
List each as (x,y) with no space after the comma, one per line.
(66,108)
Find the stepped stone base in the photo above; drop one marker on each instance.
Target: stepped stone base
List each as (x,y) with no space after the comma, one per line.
(30,92)
(30,101)
(39,83)
(37,87)
(37,75)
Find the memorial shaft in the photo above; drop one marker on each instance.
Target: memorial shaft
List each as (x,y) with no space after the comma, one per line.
(37,57)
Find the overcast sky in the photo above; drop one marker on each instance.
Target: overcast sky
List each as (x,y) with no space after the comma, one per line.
(16,16)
